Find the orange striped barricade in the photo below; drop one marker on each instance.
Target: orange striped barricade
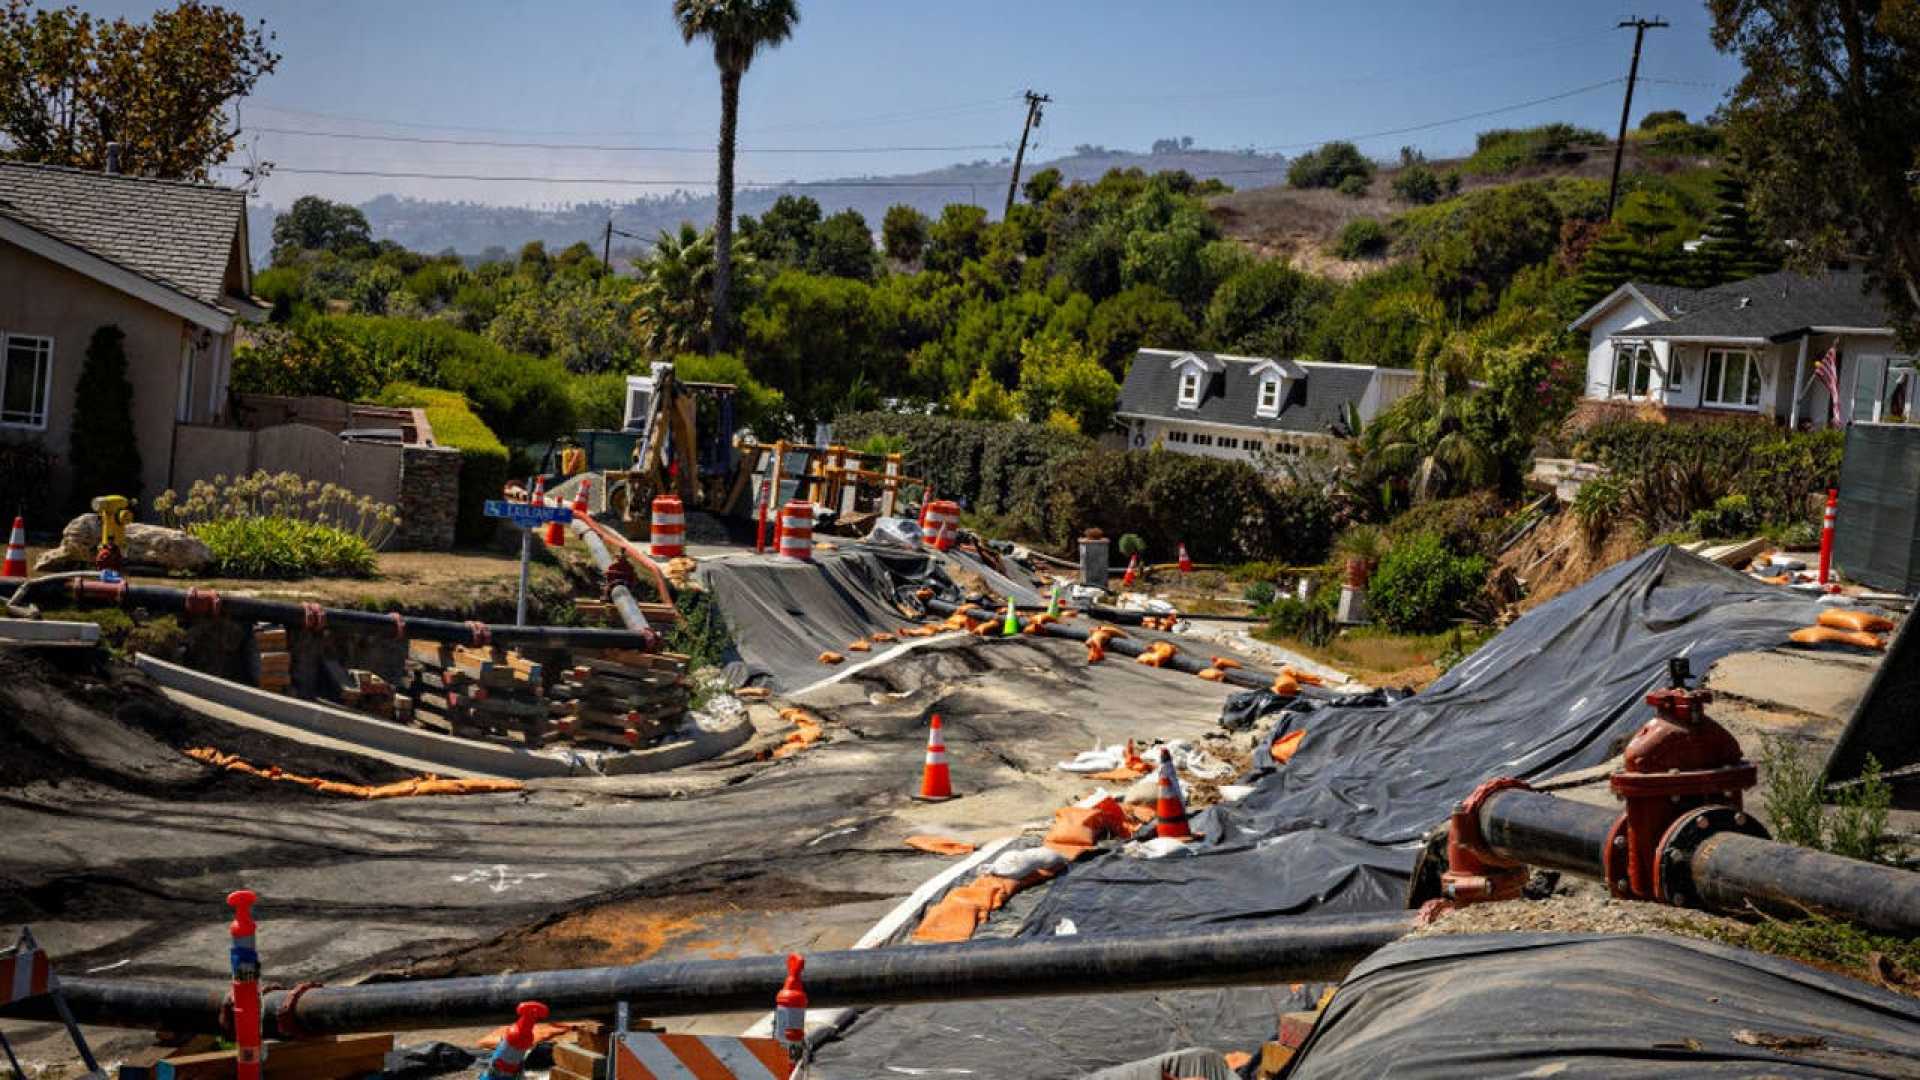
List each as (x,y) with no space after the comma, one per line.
(660,1056)
(26,971)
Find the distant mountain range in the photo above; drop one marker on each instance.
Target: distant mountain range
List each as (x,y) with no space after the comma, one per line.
(473,229)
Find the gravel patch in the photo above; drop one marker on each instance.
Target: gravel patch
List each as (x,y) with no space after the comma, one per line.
(1579,914)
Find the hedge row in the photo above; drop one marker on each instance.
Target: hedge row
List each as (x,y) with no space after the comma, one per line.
(996,468)
(1783,474)
(1224,511)
(483,460)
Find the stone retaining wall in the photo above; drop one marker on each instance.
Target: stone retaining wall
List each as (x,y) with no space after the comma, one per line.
(429,498)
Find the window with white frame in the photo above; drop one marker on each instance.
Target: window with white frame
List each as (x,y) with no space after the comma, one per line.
(1269,401)
(1189,388)
(1732,380)
(1632,371)
(25,372)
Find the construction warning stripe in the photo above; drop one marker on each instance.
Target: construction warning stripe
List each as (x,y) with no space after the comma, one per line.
(24,972)
(648,1056)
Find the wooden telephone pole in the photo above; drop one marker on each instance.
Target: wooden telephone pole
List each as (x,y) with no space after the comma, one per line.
(1640,28)
(1034,102)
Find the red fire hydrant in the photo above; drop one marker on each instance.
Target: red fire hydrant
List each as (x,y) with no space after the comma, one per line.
(1678,763)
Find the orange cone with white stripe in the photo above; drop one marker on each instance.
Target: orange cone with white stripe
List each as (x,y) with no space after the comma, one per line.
(935,782)
(1186,564)
(1133,565)
(16,564)
(1170,808)
(553,533)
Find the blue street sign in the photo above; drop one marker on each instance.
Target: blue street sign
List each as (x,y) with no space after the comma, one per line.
(525,514)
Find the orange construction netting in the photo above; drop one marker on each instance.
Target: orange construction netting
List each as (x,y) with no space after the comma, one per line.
(400,789)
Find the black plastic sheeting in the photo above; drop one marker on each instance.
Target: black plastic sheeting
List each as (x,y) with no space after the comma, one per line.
(1339,827)
(1012,580)
(783,613)
(1054,1037)
(1512,1005)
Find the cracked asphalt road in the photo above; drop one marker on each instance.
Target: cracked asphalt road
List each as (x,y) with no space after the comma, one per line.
(730,858)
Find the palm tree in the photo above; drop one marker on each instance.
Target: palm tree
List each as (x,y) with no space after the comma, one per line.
(738,30)
(1424,436)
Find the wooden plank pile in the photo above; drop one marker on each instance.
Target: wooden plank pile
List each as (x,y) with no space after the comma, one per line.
(367,692)
(486,693)
(616,698)
(622,698)
(331,1057)
(272,664)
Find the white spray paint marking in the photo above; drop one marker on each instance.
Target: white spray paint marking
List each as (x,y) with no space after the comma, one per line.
(497,878)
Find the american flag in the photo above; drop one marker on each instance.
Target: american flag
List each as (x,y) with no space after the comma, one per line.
(1827,370)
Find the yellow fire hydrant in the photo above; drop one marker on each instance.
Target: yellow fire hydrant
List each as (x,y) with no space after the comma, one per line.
(116,513)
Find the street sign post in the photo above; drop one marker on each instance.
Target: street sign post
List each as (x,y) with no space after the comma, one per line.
(526,517)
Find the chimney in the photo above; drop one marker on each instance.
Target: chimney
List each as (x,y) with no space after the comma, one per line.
(113,157)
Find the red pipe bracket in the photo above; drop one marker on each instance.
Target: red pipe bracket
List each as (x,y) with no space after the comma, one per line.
(1474,873)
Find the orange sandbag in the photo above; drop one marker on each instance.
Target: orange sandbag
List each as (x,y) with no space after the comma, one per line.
(1856,620)
(939,845)
(1827,635)
(1307,677)
(831,658)
(964,908)
(1285,685)
(1096,651)
(1223,661)
(860,646)
(751,693)
(1284,746)
(880,635)
(1108,632)
(1212,674)
(1077,829)
(1156,655)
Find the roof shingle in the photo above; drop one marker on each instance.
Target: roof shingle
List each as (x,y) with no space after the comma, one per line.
(176,233)
(1230,396)
(1773,307)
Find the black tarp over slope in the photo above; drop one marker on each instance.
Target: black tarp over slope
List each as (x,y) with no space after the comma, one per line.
(1591,1005)
(1338,828)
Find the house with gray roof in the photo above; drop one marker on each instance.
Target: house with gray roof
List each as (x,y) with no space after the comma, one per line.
(1217,405)
(165,261)
(1746,348)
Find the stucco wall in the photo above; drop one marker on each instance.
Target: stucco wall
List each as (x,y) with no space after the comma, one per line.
(43,299)
(1625,315)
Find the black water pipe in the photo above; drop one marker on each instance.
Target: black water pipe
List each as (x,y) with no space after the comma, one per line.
(1307,949)
(208,603)
(1730,872)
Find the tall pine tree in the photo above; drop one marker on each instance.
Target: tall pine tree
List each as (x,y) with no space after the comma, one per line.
(1642,244)
(1733,248)
(101,446)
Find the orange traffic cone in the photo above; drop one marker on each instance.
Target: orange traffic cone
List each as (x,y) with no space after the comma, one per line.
(1169,808)
(1133,565)
(553,534)
(935,783)
(1186,564)
(16,564)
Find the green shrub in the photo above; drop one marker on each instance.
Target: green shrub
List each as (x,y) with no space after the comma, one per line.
(1017,461)
(999,468)
(278,547)
(599,400)
(1418,184)
(1669,472)
(1504,150)
(1329,166)
(26,475)
(1222,510)
(1259,593)
(1361,238)
(1354,186)
(1598,505)
(262,494)
(1468,525)
(1796,795)
(1730,516)
(1421,585)
(483,460)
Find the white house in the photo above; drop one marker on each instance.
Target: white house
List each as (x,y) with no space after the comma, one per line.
(1216,405)
(1746,348)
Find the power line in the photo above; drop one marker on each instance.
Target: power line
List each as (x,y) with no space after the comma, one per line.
(613,180)
(1484,113)
(612,148)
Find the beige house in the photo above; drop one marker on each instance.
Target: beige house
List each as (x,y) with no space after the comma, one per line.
(165,261)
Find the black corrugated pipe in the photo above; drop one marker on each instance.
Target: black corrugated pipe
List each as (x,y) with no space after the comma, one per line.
(1308,949)
(1181,662)
(208,603)
(1729,871)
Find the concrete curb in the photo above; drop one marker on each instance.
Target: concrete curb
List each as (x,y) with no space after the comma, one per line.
(699,745)
(48,630)
(445,751)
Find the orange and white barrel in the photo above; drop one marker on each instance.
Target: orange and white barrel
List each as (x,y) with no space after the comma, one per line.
(942,526)
(796,530)
(667,538)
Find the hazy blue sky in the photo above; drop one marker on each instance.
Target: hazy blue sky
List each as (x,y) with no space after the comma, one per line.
(921,73)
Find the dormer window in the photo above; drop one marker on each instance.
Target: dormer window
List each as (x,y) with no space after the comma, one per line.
(1269,401)
(1189,389)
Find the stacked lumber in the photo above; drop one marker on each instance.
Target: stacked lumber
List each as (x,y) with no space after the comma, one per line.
(367,692)
(622,698)
(272,663)
(332,1057)
(483,693)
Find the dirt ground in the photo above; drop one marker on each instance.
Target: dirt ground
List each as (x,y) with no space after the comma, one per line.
(1556,558)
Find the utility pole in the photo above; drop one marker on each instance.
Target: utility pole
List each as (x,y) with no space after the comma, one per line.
(1034,102)
(606,246)
(1640,28)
